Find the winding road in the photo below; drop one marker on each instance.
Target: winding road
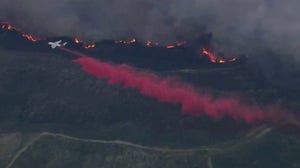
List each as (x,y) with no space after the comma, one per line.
(255,136)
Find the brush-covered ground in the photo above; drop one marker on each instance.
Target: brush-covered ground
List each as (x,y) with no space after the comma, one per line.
(54,115)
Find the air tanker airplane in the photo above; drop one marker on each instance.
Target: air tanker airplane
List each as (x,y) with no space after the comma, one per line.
(57,44)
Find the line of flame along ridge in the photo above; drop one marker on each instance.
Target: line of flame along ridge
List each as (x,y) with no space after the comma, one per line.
(206,52)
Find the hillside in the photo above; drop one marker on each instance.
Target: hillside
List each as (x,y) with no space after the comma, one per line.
(45,92)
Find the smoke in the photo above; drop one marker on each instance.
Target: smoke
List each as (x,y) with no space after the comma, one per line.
(175,92)
(238,26)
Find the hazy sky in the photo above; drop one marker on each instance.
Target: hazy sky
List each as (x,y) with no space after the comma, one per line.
(237,25)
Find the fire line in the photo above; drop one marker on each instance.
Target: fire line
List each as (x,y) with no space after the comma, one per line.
(205,51)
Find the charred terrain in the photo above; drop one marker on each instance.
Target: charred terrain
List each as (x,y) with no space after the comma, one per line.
(54,114)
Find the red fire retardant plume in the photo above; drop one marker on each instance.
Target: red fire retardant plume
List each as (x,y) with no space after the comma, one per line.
(167,90)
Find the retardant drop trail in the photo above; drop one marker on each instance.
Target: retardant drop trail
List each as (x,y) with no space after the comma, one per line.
(170,91)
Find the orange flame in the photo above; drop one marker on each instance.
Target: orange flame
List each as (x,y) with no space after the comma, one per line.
(148,43)
(76,40)
(90,46)
(177,44)
(131,41)
(29,37)
(210,55)
(9,27)
(221,61)
(170,46)
(215,59)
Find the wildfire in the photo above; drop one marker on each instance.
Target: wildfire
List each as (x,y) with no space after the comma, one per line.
(170,46)
(90,46)
(131,41)
(210,55)
(25,35)
(148,43)
(29,37)
(151,44)
(7,26)
(215,59)
(221,61)
(177,44)
(76,40)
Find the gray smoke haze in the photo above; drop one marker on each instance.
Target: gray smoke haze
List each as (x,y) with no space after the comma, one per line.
(237,26)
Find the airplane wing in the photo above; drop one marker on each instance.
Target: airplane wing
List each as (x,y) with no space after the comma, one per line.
(56,44)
